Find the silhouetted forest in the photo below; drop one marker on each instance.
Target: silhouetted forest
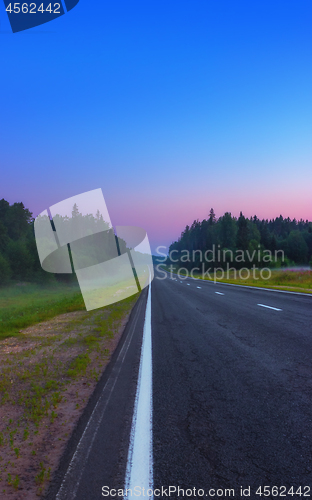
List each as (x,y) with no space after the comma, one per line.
(244,241)
(18,253)
(253,239)
(18,250)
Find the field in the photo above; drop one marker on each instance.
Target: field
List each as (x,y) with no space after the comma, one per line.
(291,280)
(48,370)
(24,304)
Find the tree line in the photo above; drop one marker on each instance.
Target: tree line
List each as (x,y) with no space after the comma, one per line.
(288,241)
(18,253)
(19,258)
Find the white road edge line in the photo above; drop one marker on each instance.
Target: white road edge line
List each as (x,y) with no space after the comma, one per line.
(199,287)
(269,307)
(139,470)
(252,287)
(80,457)
(219,293)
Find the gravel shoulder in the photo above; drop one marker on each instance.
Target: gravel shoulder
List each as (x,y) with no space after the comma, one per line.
(47,376)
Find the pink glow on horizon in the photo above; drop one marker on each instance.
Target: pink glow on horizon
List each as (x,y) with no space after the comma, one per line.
(165,212)
(164,223)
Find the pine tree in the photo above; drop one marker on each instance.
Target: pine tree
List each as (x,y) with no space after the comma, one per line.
(75,211)
(212,217)
(242,233)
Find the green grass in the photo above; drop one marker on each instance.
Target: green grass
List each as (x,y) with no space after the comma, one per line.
(35,384)
(79,365)
(295,281)
(28,304)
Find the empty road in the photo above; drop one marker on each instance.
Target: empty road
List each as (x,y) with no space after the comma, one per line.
(230,400)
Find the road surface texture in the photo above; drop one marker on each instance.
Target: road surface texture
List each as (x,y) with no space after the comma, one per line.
(232,386)
(232,395)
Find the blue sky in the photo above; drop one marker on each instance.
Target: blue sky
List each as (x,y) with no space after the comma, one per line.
(171,107)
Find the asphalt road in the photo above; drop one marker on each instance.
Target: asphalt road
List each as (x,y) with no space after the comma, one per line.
(232,386)
(232,396)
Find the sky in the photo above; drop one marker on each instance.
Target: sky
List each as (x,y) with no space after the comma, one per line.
(172,107)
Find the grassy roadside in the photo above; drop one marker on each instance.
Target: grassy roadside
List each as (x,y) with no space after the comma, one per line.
(292,281)
(47,373)
(24,304)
